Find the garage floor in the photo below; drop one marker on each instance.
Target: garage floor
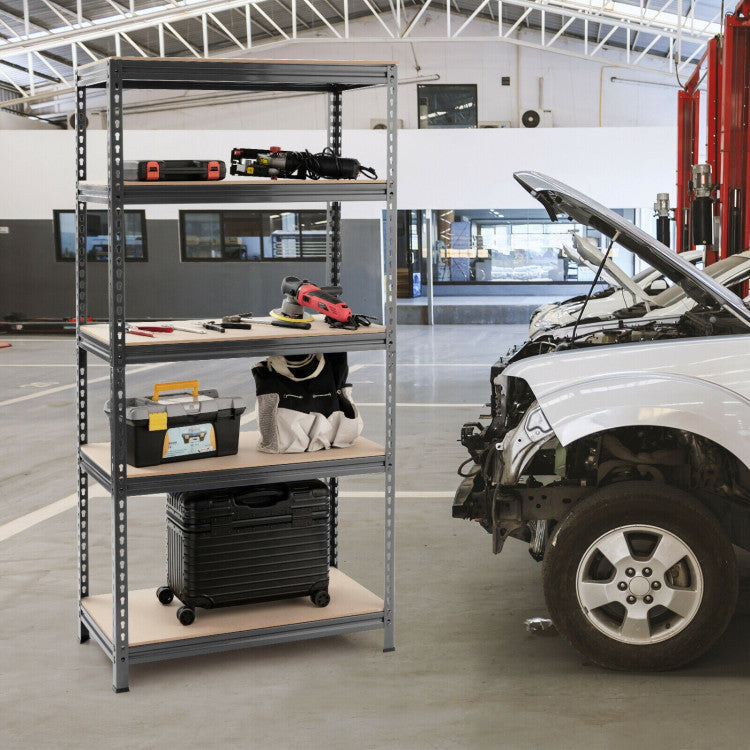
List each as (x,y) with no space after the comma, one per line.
(465,673)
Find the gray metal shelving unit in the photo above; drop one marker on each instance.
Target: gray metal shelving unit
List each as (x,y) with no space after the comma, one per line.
(107,463)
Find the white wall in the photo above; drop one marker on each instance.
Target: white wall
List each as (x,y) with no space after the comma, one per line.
(10,121)
(621,167)
(579,93)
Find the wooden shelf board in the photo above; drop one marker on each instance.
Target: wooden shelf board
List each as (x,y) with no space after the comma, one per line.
(150,622)
(247,457)
(245,182)
(260,332)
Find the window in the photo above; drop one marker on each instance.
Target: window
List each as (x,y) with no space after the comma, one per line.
(97,235)
(252,235)
(447,106)
(510,245)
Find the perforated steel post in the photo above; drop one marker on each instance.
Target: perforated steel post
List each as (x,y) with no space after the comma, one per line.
(116,220)
(333,237)
(82,359)
(333,274)
(390,357)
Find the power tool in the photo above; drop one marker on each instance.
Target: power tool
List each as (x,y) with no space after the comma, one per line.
(297,165)
(300,293)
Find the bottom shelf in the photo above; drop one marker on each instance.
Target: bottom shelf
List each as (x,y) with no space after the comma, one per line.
(155,633)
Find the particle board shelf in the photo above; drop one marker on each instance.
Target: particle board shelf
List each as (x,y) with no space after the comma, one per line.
(247,466)
(237,74)
(155,630)
(248,190)
(261,340)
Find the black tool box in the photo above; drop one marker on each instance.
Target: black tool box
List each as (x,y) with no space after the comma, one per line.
(247,544)
(182,426)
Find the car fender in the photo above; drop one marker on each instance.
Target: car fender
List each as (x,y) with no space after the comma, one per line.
(653,399)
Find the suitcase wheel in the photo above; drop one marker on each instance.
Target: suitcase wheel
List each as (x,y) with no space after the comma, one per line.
(165,595)
(186,615)
(320,598)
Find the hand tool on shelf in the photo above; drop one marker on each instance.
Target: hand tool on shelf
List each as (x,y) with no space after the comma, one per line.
(147,329)
(296,165)
(248,319)
(211,326)
(187,329)
(138,332)
(154,327)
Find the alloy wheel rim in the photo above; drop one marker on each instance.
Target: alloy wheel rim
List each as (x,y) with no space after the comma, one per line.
(639,584)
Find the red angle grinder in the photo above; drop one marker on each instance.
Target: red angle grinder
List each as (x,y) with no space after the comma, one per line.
(300,293)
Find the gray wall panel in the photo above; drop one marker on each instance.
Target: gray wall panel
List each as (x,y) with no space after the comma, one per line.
(33,283)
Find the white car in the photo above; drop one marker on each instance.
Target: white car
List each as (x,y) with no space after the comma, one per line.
(624,292)
(620,452)
(667,305)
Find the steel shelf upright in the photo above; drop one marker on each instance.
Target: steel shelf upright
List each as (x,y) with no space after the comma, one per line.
(108,464)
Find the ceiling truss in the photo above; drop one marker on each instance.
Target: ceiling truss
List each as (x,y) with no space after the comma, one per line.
(39,51)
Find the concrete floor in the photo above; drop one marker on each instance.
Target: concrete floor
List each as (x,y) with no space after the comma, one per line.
(465,673)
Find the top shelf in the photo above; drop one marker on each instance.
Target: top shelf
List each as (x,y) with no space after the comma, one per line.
(247,190)
(235,74)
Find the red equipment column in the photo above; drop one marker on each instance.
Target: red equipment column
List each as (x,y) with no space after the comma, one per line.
(735,133)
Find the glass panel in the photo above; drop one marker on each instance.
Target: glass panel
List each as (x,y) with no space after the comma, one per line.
(66,228)
(97,235)
(512,245)
(447,106)
(312,226)
(202,235)
(134,246)
(281,236)
(243,235)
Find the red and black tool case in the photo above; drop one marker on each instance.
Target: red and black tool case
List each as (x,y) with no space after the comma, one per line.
(181,170)
(247,544)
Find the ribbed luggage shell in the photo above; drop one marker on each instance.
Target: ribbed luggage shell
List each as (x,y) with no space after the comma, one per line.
(222,552)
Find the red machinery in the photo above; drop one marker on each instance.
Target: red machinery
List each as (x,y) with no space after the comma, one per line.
(724,199)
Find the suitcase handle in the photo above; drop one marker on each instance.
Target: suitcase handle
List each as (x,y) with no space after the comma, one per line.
(261,498)
(161,387)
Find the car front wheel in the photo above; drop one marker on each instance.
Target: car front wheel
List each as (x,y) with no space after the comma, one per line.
(640,576)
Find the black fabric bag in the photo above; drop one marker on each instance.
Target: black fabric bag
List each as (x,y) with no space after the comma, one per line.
(305,404)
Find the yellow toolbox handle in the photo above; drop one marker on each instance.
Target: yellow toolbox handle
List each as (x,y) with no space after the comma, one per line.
(161,387)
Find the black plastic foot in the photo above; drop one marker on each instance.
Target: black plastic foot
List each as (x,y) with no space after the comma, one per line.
(388,650)
(83,634)
(120,690)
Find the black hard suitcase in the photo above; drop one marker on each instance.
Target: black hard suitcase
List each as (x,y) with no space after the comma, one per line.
(247,544)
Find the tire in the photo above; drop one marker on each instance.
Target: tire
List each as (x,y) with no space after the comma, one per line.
(663,549)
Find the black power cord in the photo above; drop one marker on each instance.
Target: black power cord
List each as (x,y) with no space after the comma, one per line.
(311,165)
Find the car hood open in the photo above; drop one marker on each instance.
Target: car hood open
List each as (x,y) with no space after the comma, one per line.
(560,199)
(590,252)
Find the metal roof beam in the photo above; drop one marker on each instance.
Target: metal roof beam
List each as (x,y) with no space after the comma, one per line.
(89,30)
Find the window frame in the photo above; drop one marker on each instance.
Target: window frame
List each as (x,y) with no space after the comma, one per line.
(538,216)
(447,86)
(58,239)
(265,213)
